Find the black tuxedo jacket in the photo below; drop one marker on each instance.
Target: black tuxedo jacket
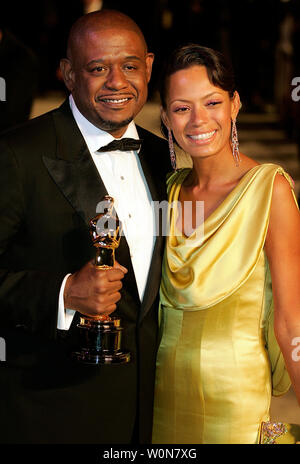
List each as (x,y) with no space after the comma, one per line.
(49,191)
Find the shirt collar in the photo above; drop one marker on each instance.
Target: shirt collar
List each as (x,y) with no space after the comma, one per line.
(94,137)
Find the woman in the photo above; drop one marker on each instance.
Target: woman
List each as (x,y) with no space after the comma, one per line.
(219,361)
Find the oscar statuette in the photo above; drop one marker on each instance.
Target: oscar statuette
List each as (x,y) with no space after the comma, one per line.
(100,336)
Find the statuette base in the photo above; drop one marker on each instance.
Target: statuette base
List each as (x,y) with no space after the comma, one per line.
(100,341)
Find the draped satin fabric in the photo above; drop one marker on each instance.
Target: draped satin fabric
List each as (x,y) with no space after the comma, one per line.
(218,362)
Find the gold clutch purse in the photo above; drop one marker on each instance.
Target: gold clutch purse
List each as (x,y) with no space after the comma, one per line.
(279,433)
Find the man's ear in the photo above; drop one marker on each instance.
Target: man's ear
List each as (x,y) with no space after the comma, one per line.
(67,73)
(149,63)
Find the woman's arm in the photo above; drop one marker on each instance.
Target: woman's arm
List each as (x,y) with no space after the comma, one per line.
(283,252)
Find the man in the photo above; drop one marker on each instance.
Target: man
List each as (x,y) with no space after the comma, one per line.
(52,178)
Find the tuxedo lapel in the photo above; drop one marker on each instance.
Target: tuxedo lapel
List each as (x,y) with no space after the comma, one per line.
(157,187)
(72,168)
(79,182)
(156,183)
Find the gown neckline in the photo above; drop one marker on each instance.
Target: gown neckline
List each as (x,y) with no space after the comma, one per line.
(219,207)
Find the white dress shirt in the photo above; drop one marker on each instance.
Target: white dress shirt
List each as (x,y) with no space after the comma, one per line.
(123,177)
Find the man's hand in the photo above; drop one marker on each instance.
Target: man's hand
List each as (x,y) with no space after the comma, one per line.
(93,291)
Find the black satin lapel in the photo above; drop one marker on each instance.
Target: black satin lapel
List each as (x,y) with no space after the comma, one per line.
(79,182)
(153,166)
(72,167)
(157,186)
(149,173)
(154,278)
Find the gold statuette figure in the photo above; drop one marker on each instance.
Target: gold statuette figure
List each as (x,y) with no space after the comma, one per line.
(100,336)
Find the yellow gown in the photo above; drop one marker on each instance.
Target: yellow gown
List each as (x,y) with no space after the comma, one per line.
(218,361)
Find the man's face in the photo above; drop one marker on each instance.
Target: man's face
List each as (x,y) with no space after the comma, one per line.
(108,77)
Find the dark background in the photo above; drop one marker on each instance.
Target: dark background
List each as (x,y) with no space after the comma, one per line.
(260,37)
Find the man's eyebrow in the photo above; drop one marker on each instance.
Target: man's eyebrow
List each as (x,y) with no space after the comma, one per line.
(130,57)
(134,57)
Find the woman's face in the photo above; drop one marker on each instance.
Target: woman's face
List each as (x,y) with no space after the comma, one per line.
(199,113)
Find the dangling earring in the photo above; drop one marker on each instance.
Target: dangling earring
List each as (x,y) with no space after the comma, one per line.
(171,149)
(235,144)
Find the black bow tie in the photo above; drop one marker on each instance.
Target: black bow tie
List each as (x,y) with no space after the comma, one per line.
(122,145)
